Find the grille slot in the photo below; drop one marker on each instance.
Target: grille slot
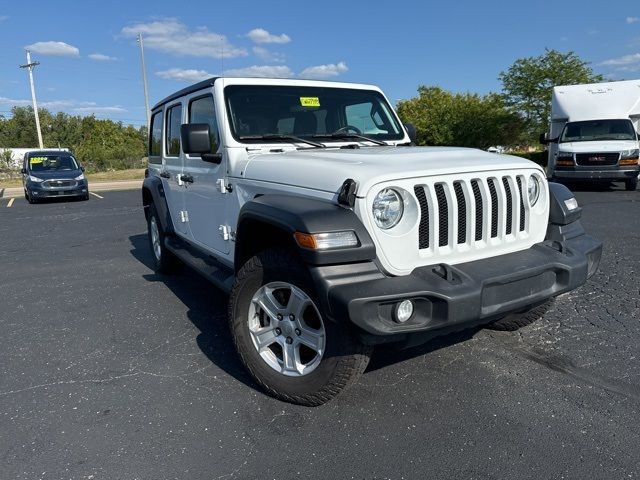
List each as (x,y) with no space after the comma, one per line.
(494,207)
(507,189)
(443,215)
(462,212)
(522,217)
(479,209)
(423,232)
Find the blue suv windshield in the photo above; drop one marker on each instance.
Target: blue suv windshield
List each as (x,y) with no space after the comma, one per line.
(52,163)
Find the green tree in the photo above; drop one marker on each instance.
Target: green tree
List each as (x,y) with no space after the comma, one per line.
(527,85)
(99,144)
(461,119)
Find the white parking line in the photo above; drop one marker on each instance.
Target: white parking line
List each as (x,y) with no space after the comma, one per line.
(10,202)
(95,195)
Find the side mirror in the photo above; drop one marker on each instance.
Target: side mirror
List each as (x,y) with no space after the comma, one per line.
(412,132)
(23,170)
(82,168)
(196,140)
(544,138)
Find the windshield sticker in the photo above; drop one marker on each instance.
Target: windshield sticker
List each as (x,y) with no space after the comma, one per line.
(310,101)
(35,160)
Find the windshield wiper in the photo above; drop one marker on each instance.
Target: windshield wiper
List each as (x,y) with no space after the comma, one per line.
(278,136)
(343,135)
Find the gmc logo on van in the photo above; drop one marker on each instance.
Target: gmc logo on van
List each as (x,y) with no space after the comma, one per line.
(597,159)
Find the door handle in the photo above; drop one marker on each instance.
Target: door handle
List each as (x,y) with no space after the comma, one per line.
(186,178)
(165,175)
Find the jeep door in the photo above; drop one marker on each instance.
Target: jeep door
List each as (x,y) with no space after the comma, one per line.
(173,168)
(205,193)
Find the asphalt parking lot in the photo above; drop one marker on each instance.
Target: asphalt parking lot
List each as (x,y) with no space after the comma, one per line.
(110,371)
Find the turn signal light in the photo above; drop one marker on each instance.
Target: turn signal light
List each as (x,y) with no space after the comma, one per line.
(326,241)
(628,162)
(564,163)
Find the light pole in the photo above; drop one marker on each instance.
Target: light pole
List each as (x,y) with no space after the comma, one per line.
(144,80)
(30,66)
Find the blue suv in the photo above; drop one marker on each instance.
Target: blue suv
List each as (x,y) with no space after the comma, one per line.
(51,174)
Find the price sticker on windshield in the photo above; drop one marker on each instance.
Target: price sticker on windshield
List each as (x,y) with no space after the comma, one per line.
(35,160)
(310,101)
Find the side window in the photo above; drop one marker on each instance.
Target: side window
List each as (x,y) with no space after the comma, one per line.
(155,139)
(174,120)
(202,110)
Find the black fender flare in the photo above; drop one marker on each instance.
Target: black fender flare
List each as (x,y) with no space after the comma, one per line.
(290,214)
(153,192)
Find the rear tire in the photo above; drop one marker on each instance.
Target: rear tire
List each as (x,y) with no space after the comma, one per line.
(515,321)
(275,316)
(163,260)
(631,184)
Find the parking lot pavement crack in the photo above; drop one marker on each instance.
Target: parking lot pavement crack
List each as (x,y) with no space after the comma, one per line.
(69,382)
(565,365)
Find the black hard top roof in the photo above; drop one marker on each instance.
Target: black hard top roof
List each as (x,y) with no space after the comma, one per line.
(33,153)
(186,91)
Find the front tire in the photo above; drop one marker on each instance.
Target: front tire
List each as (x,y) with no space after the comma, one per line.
(163,260)
(282,336)
(631,184)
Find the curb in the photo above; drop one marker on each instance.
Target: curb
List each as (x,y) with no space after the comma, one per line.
(93,187)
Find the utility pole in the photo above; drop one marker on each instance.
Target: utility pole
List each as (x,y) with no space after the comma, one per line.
(144,80)
(30,66)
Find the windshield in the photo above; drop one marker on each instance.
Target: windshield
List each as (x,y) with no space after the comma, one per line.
(309,112)
(598,130)
(52,163)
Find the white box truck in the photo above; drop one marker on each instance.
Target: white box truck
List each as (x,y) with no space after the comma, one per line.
(593,132)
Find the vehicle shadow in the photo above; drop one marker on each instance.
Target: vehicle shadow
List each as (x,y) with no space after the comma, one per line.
(207,310)
(585,186)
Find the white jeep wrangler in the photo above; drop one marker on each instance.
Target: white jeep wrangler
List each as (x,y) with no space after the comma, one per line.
(308,202)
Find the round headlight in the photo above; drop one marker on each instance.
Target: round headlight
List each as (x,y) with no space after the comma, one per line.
(387,208)
(534,189)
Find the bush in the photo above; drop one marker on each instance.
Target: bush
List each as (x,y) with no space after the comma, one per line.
(539,157)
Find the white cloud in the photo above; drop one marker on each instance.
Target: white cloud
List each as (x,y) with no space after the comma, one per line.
(190,75)
(324,71)
(101,57)
(172,36)
(630,63)
(4,17)
(265,71)
(260,35)
(71,106)
(267,55)
(631,20)
(59,49)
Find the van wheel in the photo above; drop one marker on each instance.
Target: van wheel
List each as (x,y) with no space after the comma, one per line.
(30,198)
(163,260)
(282,336)
(631,184)
(515,321)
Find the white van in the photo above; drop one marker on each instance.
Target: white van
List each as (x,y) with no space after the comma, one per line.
(593,133)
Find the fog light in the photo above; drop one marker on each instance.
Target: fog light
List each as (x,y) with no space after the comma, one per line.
(404,310)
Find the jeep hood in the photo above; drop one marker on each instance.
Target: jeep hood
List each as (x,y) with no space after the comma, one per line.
(327,169)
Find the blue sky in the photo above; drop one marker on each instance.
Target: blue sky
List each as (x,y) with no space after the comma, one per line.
(90,61)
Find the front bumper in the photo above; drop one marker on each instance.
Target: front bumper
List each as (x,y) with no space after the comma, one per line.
(450,298)
(595,173)
(39,191)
